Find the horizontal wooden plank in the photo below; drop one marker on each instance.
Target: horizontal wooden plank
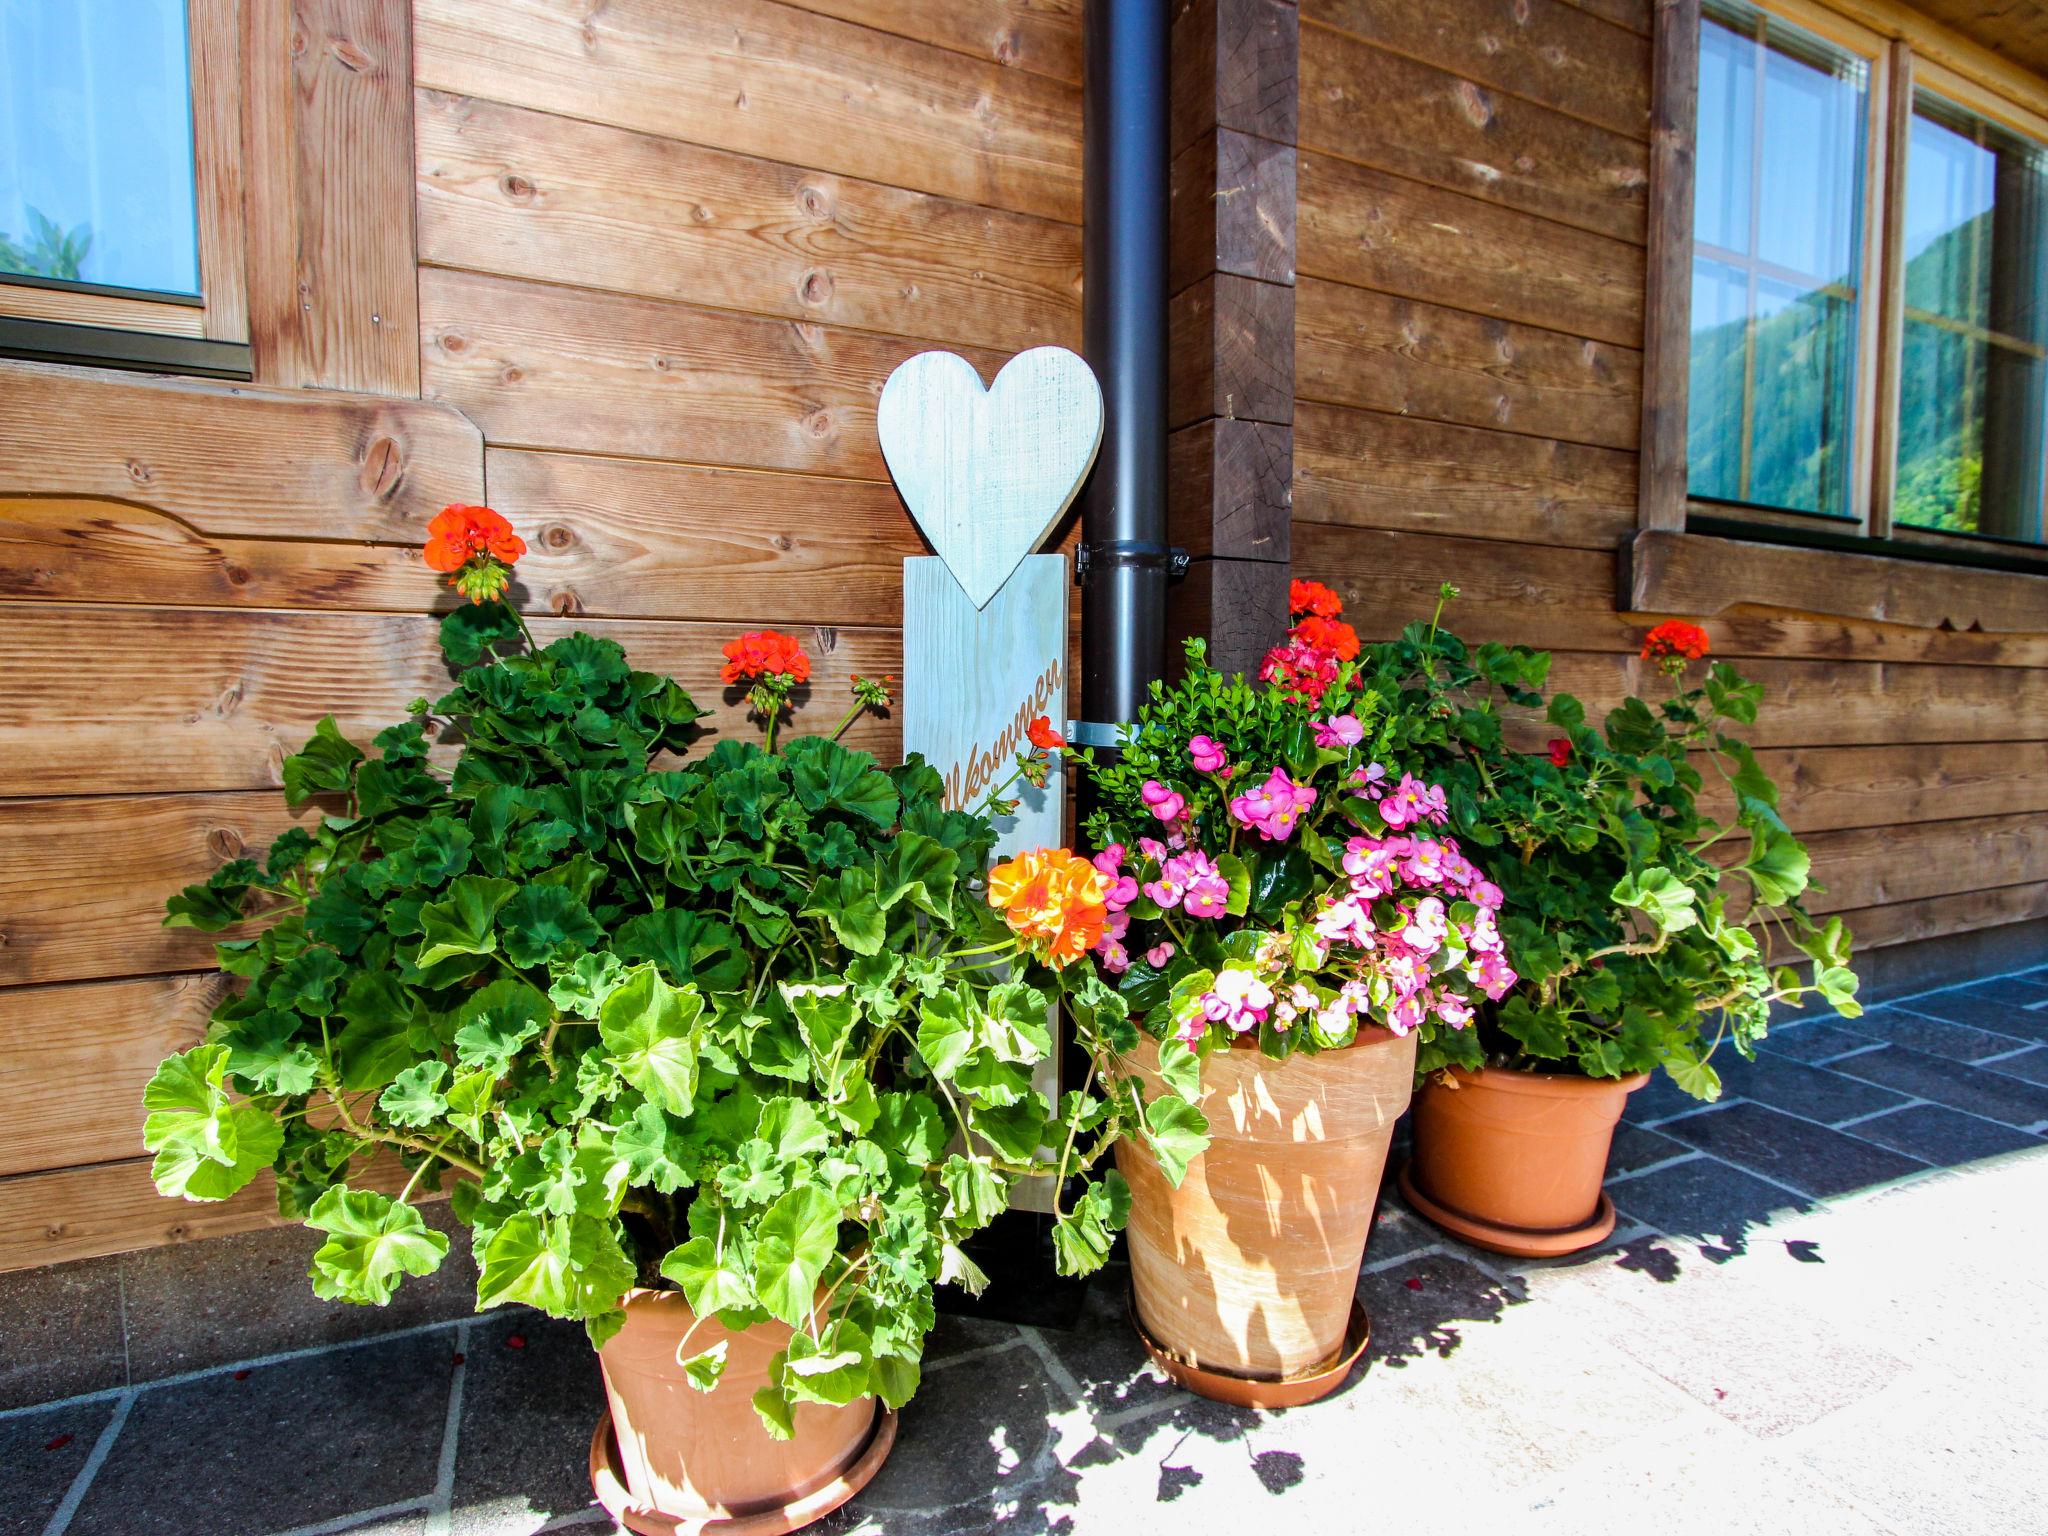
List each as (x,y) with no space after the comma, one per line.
(84,1213)
(1634,15)
(1374,230)
(1043,36)
(83,881)
(268,464)
(1397,114)
(619,536)
(527,194)
(1548,595)
(1694,573)
(1907,922)
(74,1059)
(131,700)
(113,311)
(1367,469)
(538,366)
(1546,51)
(772,80)
(1356,347)
(1878,866)
(1828,789)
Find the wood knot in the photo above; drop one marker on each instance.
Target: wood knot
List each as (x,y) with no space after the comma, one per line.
(702,214)
(827,639)
(511,373)
(1006,48)
(816,287)
(661,365)
(230,700)
(350,55)
(452,341)
(516,187)
(238,575)
(224,843)
(1473,105)
(564,603)
(138,471)
(814,202)
(819,424)
(783,541)
(557,536)
(383,465)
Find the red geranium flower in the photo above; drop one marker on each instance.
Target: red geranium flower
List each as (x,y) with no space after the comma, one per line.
(1043,736)
(1560,751)
(1675,638)
(765,653)
(1312,597)
(1332,635)
(476,546)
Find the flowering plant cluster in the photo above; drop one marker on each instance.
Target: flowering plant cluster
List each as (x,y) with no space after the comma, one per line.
(1278,876)
(745,1027)
(1641,924)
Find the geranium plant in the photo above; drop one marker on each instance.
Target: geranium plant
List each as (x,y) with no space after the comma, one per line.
(1639,923)
(739,1023)
(1278,875)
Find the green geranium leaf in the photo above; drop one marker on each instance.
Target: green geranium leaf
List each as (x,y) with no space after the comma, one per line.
(650,1030)
(703,1370)
(471,630)
(1778,866)
(1081,1238)
(1177,1133)
(323,766)
(415,1096)
(1659,894)
(974,1197)
(792,1246)
(653,1151)
(568,1266)
(910,1126)
(373,1242)
(945,1032)
(834,1369)
(1180,1068)
(922,872)
(206,1146)
(539,920)
(687,947)
(849,903)
(711,1281)
(462,924)
(498,1021)
(589,979)
(264,1051)
(827,776)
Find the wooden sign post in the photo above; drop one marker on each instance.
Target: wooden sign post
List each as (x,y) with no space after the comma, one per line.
(988,473)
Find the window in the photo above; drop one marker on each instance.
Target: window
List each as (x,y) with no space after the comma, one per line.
(1869,328)
(106,249)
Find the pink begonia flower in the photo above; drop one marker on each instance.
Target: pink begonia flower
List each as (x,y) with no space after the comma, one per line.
(1481,936)
(1425,863)
(1334,1017)
(1115,959)
(1459,871)
(1205,754)
(1371,780)
(1453,1010)
(1124,888)
(1339,731)
(1164,803)
(1345,921)
(1116,925)
(1492,974)
(1158,955)
(1166,891)
(1110,859)
(1486,894)
(1405,1016)
(1207,896)
(1274,808)
(1406,804)
(1371,866)
(1153,849)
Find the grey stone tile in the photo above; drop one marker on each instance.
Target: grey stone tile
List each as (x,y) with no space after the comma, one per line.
(1814,1093)
(1636,1148)
(1397,1231)
(1815,1042)
(196,1305)
(237,1454)
(2027,991)
(2032,1065)
(1104,1354)
(1810,1158)
(1979,1090)
(1943,1136)
(1658,1099)
(1963,1005)
(528,1410)
(1704,1199)
(40,1457)
(955,1334)
(60,1332)
(1903,1024)
(1427,1306)
(410,1522)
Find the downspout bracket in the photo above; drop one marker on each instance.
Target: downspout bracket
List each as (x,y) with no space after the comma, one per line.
(1145,554)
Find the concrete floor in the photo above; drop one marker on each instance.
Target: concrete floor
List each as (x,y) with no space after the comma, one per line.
(1826,1310)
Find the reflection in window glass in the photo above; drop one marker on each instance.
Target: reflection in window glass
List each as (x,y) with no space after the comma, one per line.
(1777,280)
(96,144)
(1972,391)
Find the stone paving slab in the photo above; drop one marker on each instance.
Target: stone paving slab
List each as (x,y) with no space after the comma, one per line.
(1799,1327)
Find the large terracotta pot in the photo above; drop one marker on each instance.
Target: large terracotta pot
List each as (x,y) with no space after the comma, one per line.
(1245,1276)
(1513,1161)
(671,1458)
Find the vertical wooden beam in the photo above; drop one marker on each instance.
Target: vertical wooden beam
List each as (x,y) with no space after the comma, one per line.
(1887,281)
(333,272)
(1667,309)
(216,32)
(1230,395)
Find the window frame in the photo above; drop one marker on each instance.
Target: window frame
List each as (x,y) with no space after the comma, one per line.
(50,320)
(1905,52)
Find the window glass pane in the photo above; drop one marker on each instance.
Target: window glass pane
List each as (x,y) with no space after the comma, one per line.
(1777,228)
(96,143)
(1973,388)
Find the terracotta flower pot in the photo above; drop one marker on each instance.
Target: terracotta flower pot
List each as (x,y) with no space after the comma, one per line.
(1244,1277)
(1513,1161)
(673,1459)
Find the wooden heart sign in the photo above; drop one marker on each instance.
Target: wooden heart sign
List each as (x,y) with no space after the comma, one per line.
(988,472)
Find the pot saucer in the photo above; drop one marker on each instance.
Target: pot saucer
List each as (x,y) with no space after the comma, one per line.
(1498,1237)
(608,1481)
(1251,1392)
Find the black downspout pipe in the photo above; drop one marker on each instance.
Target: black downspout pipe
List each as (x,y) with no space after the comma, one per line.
(1123,325)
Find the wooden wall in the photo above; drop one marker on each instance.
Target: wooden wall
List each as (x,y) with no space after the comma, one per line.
(634,274)
(1468,344)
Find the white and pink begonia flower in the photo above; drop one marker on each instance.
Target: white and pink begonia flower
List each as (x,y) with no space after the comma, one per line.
(1338,731)
(1238,999)
(1492,974)
(1345,921)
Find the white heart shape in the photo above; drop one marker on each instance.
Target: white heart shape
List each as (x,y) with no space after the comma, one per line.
(987,473)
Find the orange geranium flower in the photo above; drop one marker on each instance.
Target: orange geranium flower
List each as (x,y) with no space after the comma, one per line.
(1043,736)
(476,547)
(1055,901)
(1675,638)
(765,653)
(1332,635)
(1313,597)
